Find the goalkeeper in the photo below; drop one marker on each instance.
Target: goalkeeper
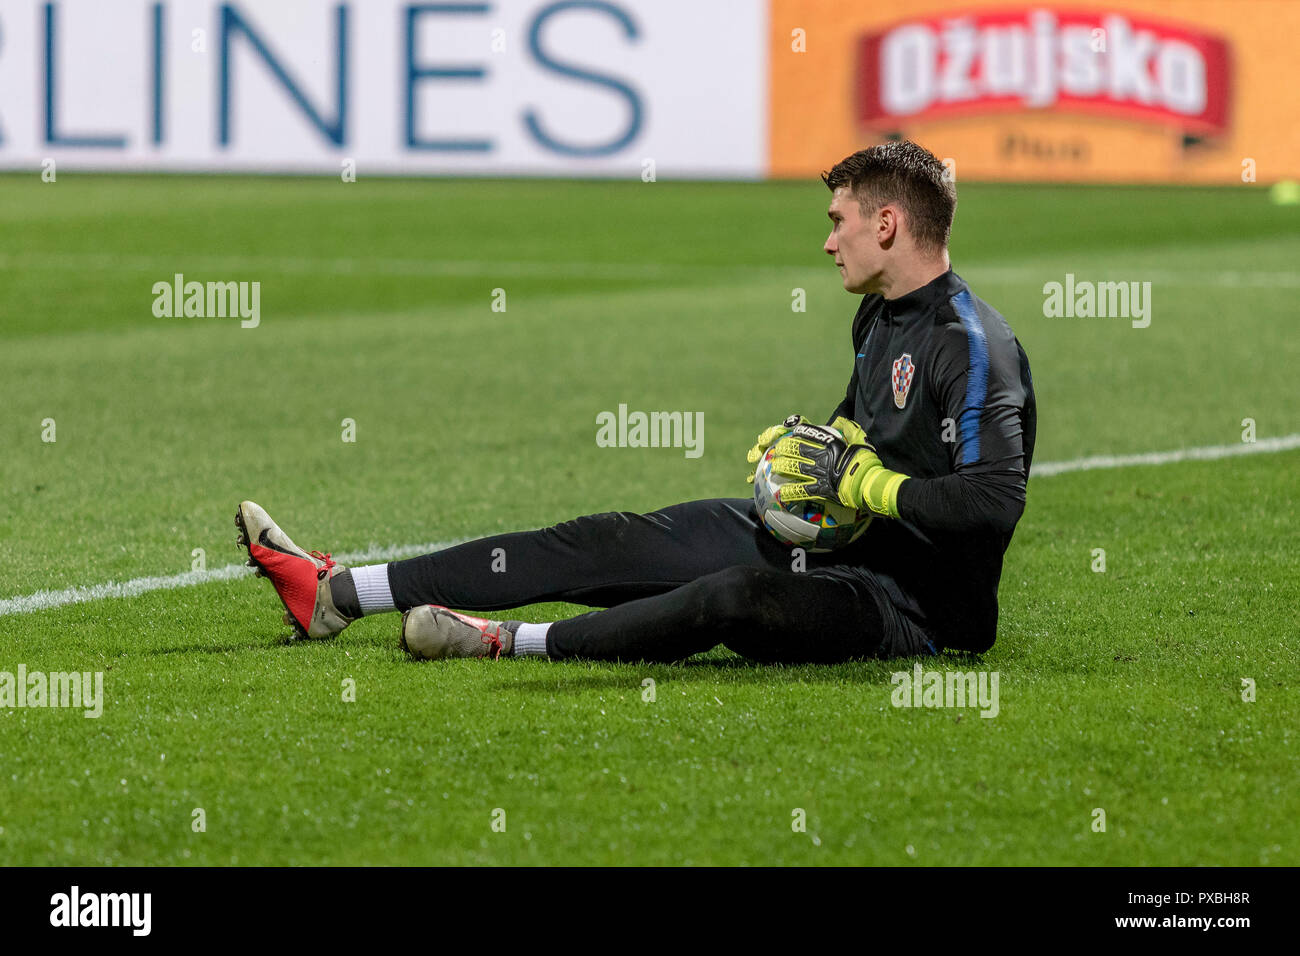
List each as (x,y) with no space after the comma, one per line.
(938,426)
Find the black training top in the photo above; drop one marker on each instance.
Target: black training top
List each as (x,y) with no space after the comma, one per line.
(942,388)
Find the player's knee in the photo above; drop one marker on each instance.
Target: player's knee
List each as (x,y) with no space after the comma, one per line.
(733,597)
(584,533)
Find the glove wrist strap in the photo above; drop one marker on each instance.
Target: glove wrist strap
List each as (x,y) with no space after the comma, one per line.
(879,491)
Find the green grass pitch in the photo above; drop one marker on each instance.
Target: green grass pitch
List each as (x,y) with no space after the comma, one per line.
(1120,690)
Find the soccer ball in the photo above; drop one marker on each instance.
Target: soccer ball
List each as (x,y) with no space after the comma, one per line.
(811,525)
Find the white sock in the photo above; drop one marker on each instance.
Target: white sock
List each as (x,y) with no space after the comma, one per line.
(373,593)
(530,639)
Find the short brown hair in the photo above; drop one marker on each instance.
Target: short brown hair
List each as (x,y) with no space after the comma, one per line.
(907,174)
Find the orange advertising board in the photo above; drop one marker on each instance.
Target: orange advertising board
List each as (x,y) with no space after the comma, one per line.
(1195,91)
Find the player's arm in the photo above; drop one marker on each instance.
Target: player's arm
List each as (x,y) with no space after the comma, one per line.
(979,501)
(977,386)
(985,493)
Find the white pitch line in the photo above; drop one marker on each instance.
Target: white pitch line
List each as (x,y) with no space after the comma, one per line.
(45,600)
(1208,453)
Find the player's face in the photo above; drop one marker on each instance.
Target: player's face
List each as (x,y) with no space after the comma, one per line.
(851,243)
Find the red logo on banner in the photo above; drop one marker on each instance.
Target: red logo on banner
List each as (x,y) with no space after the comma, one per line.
(1030,58)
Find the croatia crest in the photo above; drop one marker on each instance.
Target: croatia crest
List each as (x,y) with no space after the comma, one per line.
(902,378)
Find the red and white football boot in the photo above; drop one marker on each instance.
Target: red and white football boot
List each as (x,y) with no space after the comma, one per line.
(301,580)
(431,632)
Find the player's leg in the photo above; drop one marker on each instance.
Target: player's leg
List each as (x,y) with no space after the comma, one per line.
(597,560)
(600,560)
(765,614)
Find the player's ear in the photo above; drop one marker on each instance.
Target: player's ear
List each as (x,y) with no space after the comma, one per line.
(886,224)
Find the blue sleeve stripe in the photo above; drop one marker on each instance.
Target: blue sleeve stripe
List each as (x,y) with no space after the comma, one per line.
(977,376)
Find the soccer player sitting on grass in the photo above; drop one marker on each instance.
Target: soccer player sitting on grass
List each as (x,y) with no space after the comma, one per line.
(938,426)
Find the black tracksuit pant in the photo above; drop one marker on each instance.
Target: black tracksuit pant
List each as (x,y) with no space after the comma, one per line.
(676,582)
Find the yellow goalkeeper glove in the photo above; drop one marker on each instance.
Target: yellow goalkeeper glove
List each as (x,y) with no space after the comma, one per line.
(824,467)
(769,437)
